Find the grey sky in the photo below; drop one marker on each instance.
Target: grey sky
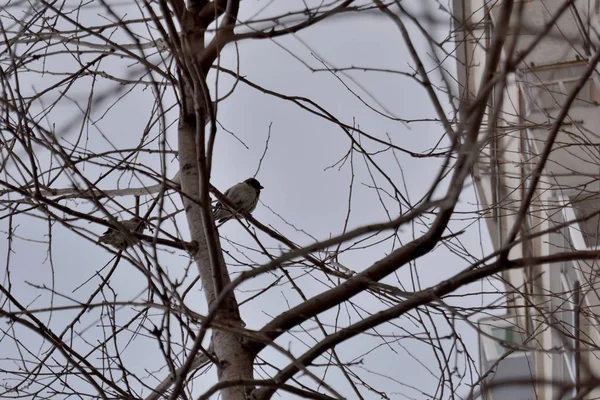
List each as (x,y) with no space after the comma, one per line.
(298,186)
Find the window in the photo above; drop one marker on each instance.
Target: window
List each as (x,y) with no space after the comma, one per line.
(500,335)
(506,336)
(547,88)
(587,206)
(568,320)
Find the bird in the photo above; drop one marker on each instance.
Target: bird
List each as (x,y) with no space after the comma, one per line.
(244,198)
(117,238)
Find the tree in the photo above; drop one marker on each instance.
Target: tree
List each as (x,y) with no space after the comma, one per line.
(113,110)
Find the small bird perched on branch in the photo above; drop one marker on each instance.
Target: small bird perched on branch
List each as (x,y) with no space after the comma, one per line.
(244,198)
(120,240)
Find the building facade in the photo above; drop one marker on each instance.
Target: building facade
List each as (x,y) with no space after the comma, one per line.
(544,106)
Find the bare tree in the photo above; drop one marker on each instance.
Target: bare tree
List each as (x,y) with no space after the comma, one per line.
(113,114)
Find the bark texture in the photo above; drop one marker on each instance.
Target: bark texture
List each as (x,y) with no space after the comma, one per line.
(234,360)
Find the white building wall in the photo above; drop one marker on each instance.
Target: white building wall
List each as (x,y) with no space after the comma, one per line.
(558,59)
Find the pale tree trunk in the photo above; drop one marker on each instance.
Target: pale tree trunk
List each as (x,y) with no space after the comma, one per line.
(234,361)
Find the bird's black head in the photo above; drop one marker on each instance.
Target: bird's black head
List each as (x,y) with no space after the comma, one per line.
(254,183)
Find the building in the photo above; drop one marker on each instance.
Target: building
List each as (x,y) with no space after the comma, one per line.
(546,345)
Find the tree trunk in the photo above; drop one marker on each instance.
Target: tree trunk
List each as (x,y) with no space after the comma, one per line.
(234,360)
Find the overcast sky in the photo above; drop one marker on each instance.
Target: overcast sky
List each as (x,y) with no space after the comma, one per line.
(299,186)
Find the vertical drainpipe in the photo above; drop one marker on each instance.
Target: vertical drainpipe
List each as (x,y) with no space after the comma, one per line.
(495,161)
(577,311)
(525,249)
(494,146)
(459,18)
